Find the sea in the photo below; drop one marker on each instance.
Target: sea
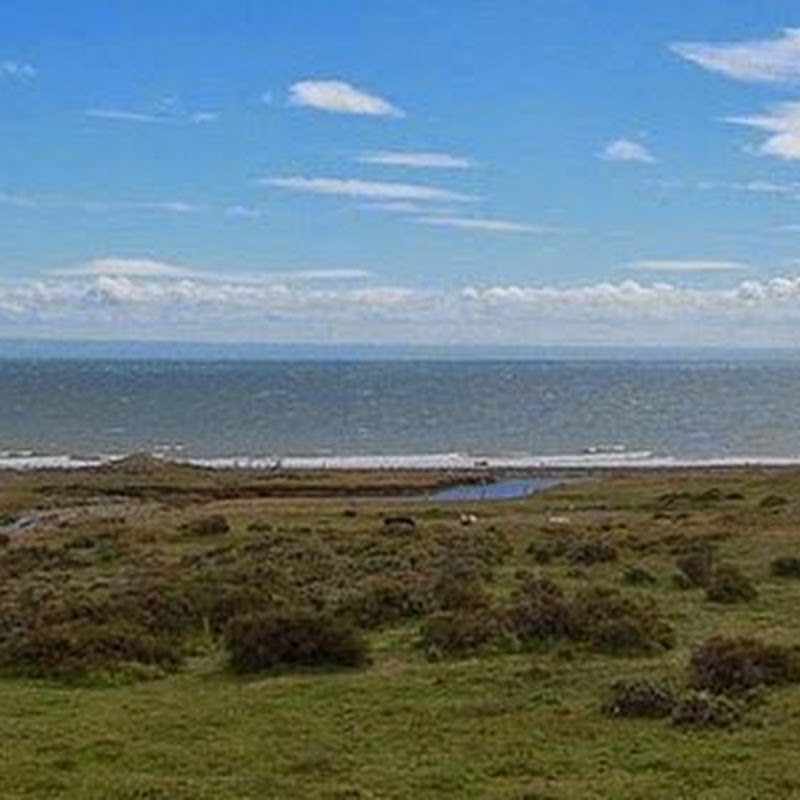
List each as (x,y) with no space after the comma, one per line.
(408,412)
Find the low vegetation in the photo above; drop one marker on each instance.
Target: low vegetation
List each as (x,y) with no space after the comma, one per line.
(168,631)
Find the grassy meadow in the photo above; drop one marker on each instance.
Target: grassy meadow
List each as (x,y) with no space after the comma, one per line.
(596,640)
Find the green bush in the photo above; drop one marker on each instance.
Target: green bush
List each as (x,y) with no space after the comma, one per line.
(723,664)
(265,641)
(729,584)
(641,697)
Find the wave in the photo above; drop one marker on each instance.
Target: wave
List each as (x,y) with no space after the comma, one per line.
(596,459)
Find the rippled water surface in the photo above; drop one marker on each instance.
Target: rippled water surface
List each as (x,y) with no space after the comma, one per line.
(690,410)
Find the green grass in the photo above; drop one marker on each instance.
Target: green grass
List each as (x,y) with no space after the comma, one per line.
(515,725)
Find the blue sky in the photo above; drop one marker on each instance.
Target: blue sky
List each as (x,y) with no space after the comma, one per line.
(454,171)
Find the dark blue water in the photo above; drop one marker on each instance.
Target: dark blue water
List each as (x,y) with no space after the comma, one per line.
(225,408)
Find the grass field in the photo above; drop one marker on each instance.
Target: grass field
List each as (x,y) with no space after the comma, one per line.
(497,715)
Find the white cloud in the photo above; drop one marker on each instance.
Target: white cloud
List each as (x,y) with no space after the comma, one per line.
(148,298)
(18,201)
(126,267)
(98,206)
(340,97)
(775,60)
(124,115)
(482,224)
(782,124)
(17,71)
(393,158)
(686,265)
(369,190)
(199,117)
(169,114)
(243,212)
(627,150)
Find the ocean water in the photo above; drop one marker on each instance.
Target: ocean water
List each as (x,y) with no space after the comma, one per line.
(402,412)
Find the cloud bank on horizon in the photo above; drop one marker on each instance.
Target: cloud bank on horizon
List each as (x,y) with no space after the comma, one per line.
(332,181)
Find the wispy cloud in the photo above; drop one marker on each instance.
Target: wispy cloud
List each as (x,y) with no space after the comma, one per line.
(782,124)
(98,206)
(418,160)
(17,71)
(367,190)
(482,224)
(18,201)
(125,267)
(775,60)
(627,150)
(124,115)
(243,212)
(340,97)
(686,265)
(172,115)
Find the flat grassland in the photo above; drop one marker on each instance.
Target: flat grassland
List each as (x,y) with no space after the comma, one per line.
(474,685)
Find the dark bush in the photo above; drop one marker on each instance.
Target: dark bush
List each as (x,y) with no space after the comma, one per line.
(384,600)
(539,610)
(541,553)
(641,697)
(785,567)
(738,664)
(78,647)
(729,584)
(611,622)
(209,525)
(451,592)
(697,566)
(592,551)
(463,633)
(636,575)
(399,523)
(700,709)
(773,501)
(259,642)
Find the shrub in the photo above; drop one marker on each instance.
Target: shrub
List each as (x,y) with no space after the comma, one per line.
(591,551)
(636,575)
(540,611)
(697,566)
(641,697)
(267,641)
(381,601)
(701,709)
(785,567)
(209,525)
(462,633)
(738,664)
(78,647)
(617,624)
(773,501)
(452,592)
(729,584)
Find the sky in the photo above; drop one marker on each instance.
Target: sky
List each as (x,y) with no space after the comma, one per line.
(520,172)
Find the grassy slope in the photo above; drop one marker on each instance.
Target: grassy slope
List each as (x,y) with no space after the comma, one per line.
(513,726)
